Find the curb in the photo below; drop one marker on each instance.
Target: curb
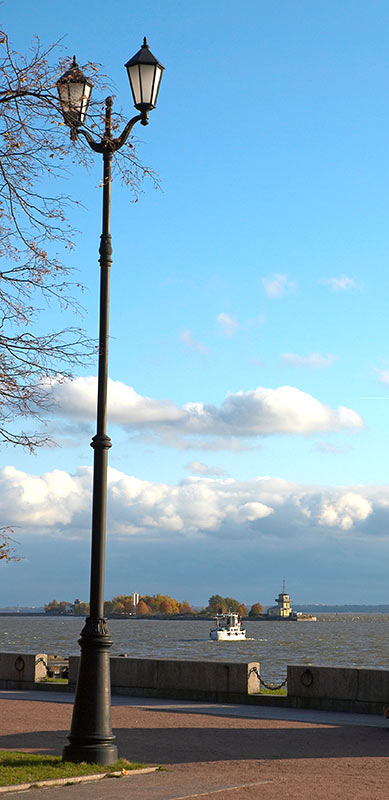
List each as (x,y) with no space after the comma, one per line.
(98,776)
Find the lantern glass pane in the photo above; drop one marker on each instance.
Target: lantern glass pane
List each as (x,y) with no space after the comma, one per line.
(133,73)
(147,79)
(85,101)
(63,91)
(157,80)
(76,91)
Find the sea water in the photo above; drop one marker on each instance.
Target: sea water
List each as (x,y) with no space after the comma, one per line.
(348,640)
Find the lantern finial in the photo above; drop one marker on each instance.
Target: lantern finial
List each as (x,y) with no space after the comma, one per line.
(145,43)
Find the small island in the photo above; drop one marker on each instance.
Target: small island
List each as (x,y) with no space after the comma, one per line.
(284,611)
(159,606)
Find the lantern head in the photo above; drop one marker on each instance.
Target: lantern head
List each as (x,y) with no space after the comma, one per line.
(74,90)
(145,73)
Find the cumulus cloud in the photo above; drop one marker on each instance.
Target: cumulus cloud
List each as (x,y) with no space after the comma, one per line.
(277,284)
(342,283)
(188,339)
(51,499)
(229,325)
(256,413)
(77,399)
(316,360)
(342,511)
(58,504)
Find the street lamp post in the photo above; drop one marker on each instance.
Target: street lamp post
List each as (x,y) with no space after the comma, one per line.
(91,737)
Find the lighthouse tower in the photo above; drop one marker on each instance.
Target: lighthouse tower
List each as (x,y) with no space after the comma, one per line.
(282,609)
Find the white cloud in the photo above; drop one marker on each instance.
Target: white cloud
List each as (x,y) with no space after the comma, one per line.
(199,468)
(57,504)
(250,512)
(316,360)
(77,399)
(187,338)
(343,511)
(229,325)
(383,375)
(277,284)
(256,413)
(341,283)
(49,500)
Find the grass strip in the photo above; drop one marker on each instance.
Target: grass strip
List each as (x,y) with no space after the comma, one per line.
(282,691)
(32,767)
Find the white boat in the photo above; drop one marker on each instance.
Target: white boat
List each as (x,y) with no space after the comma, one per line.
(228,628)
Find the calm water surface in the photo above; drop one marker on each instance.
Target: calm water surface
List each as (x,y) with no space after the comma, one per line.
(335,639)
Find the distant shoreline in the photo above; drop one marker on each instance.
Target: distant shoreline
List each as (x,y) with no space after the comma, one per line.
(306,609)
(342,609)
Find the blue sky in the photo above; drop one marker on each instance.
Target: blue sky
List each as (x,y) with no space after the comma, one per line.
(249,350)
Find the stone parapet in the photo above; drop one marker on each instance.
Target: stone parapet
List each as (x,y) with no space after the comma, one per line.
(21,670)
(171,678)
(338,688)
(319,687)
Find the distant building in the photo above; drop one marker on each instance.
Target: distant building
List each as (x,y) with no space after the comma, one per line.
(282,609)
(135,598)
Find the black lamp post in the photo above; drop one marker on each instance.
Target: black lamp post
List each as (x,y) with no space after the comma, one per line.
(91,737)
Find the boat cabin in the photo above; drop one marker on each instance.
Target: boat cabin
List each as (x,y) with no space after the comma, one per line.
(229,620)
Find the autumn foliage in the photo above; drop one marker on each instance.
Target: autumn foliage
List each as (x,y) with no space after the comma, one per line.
(256,610)
(155,605)
(77,608)
(149,605)
(217,604)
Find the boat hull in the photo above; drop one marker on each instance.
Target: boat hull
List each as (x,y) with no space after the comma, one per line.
(227,636)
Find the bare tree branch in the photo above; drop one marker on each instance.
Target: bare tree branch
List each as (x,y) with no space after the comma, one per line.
(35,150)
(7,549)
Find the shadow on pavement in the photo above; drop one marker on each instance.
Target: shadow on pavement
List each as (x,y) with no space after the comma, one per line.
(190,745)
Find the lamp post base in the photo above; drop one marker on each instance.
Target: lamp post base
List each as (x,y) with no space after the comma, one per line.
(91,737)
(98,754)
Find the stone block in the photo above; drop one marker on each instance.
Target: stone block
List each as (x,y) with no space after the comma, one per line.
(253,673)
(337,683)
(136,672)
(74,663)
(22,667)
(163,674)
(373,686)
(203,676)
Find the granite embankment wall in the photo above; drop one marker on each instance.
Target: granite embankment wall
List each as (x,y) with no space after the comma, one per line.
(193,680)
(328,688)
(22,670)
(339,688)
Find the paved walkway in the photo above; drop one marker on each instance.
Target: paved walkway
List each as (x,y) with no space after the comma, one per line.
(214,751)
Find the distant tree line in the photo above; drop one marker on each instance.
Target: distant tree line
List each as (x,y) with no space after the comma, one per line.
(78,608)
(155,605)
(148,605)
(218,604)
